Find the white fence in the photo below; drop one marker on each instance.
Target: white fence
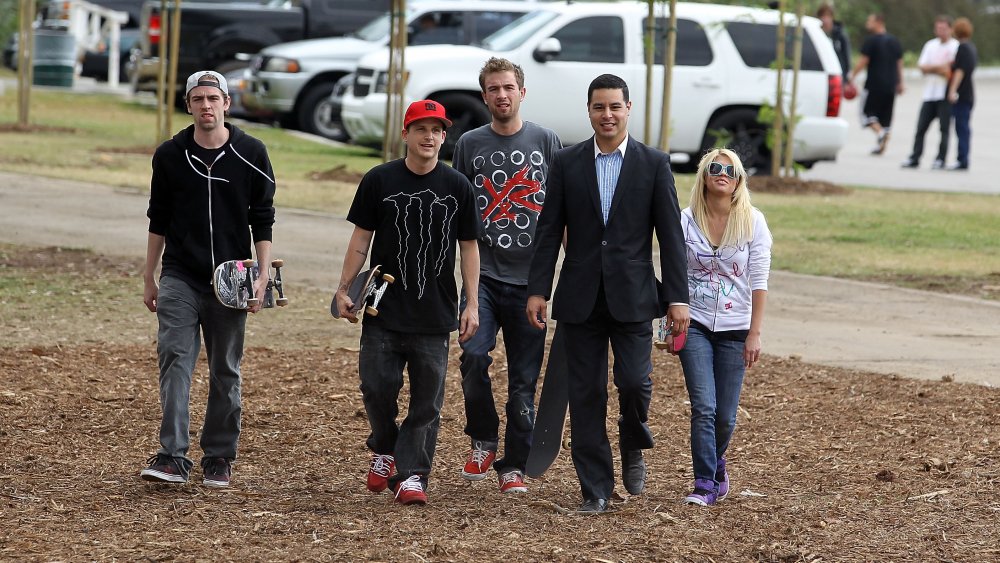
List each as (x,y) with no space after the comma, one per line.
(89,24)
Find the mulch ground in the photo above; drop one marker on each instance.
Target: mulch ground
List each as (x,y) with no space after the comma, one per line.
(827,464)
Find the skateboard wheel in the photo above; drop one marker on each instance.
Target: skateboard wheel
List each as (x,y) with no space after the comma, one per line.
(389,278)
(277,263)
(567,444)
(371,311)
(249,263)
(281,301)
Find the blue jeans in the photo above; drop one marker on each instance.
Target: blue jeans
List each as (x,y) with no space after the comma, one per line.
(713,374)
(962,113)
(384,354)
(501,306)
(184,315)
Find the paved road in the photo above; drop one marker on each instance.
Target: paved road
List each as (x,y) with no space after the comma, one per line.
(822,320)
(856,166)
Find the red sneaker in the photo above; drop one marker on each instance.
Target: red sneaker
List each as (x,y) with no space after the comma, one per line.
(378,473)
(411,491)
(512,482)
(478,464)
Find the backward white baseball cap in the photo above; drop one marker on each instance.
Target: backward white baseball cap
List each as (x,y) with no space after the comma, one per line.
(195,80)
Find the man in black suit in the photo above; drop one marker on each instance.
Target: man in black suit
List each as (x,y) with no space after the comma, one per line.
(609,194)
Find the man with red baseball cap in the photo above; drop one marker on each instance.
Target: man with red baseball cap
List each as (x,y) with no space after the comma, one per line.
(410,214)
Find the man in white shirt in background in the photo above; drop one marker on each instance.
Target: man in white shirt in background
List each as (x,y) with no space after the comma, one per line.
(935,64)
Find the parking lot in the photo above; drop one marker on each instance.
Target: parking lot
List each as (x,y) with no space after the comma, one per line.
(856,166)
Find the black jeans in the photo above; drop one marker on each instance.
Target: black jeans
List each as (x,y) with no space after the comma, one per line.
(929,111)
(384,354)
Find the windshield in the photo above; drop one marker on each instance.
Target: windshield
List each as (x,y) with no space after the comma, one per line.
(375,30)
(518,31)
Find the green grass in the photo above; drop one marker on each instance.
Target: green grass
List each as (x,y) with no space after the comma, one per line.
(872,233)
(112,140)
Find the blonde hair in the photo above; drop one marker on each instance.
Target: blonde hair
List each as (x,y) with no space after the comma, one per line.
(739,226)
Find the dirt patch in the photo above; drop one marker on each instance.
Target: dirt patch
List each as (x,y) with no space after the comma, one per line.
(338,173)
(140,150)
(795,186)
(32,128)
(826,464)
(56,259)
(985,287)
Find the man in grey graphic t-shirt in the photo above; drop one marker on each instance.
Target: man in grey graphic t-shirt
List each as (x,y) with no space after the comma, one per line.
(507,161)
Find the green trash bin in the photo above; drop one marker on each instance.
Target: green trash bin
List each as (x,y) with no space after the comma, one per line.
(54,58)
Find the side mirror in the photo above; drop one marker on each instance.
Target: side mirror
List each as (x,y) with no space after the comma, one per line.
(547,50)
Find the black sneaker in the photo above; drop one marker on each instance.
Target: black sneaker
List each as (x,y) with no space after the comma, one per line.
(164,469)
(217,470)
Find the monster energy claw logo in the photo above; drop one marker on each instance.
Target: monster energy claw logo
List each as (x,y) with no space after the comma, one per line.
(422,219)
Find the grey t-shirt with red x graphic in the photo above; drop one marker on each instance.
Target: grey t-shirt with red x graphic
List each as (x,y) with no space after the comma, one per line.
(508,173)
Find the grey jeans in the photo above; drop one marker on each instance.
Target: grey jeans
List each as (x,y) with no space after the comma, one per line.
(384,354)
(185,315)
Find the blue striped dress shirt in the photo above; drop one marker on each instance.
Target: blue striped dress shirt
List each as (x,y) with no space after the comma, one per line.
(609,167)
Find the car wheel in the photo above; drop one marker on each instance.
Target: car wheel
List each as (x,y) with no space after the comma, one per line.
(317,114)
(745,136)
(466,113)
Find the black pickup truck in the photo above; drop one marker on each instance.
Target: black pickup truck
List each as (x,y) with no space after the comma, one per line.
(217,34)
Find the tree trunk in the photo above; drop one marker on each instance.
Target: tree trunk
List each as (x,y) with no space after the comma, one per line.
(796,66)
(668,75)
(778,125)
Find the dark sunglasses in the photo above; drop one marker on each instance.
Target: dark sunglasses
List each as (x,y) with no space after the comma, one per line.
(719,169)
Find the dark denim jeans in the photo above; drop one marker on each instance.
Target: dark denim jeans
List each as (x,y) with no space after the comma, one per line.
(185,315)
(713,373)
(501,306)
(929,111)
(384,354)
(961,112)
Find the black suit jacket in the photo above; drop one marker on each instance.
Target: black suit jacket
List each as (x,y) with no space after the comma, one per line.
(620,253)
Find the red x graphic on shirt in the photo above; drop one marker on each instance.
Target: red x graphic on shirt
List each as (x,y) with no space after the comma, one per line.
(514,191)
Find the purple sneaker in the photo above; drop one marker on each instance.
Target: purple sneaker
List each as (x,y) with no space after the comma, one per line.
(722,477)
(704,493)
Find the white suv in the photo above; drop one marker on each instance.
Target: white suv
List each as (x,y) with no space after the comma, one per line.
(723,75)
(293,81)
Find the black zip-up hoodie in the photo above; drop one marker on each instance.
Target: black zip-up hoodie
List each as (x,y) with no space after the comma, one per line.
(208,211)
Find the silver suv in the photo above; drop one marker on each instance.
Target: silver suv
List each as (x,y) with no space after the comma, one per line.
(294,80)
(722,78)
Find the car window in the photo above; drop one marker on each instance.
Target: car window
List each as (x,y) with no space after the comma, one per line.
(693,48)
(487,23)
(756,44)
(438,28)
(598,39)
(518,31)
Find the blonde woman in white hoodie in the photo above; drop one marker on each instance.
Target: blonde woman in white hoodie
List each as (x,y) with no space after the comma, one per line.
(728,262)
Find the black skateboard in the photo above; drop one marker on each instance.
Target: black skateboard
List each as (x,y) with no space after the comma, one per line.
(550,420)
(365,292)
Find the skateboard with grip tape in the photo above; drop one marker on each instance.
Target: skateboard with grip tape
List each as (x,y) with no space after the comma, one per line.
(365,292)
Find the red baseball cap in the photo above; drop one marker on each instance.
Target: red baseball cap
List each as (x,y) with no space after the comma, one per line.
(422,109)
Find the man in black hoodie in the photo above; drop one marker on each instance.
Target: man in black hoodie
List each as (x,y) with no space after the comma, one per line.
(211,195)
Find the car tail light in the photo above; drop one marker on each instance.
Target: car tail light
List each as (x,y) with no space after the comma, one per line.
(834,90)
(154,29)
